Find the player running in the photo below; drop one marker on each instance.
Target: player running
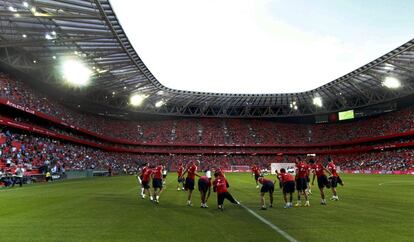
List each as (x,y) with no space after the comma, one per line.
(157,182)
(319,171)
(220,186)
(301,181)
(140,176)
(146,177)
(267,186)
(164,175)
(256,174)
(204,186)
(335,179)
(180,180)
(288,185)
(189,181)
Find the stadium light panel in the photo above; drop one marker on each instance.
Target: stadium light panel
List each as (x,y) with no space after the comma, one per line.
(76,73)
(317,101)
(12,9)
(391,82)
(137,99)
(24,36)
(159,103)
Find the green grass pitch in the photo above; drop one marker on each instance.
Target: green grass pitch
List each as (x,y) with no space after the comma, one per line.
(371,208)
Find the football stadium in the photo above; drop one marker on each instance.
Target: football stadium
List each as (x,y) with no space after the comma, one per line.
(206,120)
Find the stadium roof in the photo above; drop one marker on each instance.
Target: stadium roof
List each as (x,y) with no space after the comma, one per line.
(36,35)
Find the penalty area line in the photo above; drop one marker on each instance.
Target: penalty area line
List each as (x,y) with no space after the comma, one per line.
(274,227)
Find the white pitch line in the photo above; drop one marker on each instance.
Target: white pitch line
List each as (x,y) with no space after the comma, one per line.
(274,227)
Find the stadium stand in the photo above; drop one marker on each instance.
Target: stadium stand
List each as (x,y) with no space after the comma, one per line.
(60,137)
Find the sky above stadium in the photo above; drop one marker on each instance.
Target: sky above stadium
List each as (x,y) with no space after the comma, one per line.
(261,46)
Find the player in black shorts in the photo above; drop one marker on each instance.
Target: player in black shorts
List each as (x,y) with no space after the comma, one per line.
(319,171)
(204,186)
(267,186)
(288,183)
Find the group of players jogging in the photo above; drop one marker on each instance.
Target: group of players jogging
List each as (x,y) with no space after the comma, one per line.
(219,184)
(301,182)
(287,182)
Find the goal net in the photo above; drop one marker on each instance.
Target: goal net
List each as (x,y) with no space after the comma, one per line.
(239,168)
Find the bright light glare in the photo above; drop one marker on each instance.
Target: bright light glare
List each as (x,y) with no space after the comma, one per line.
(12,9)
(159,103)
(137,99)
(25,4)
(391,82)
(76,73)
(317,101)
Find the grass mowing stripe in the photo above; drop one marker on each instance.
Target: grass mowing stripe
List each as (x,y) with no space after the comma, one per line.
(274,227)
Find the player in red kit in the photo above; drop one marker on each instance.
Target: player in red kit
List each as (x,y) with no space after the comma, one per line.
(220,185)
(180,180)
(157,182)
(335,179)
(146,177)
(288,186)
(204,186)
(256,174)
(267,186)
(140,176)
(319,171)
(301,181)
(189,181)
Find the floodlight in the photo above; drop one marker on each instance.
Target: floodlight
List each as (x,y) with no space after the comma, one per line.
(137,99)
(391,82)
(75,72)
(159,103)
(317,101)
